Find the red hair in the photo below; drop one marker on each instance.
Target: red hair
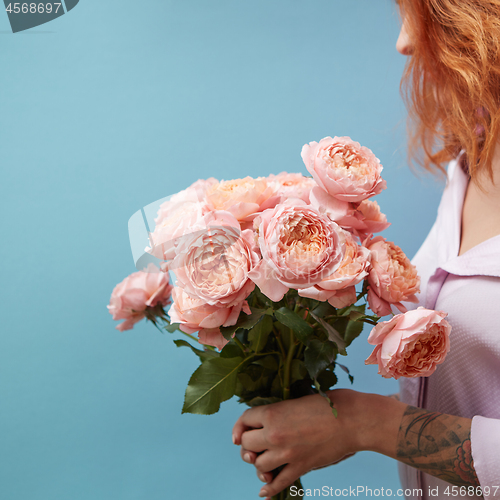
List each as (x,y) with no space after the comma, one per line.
(451,82)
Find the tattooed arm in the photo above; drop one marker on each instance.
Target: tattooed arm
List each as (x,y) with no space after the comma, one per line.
(437,444)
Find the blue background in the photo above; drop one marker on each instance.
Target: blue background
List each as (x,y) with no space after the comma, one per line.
(109,108)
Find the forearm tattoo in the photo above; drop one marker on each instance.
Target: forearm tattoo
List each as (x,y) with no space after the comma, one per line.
(437,444)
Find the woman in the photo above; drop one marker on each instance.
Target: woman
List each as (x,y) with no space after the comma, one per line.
(446,429)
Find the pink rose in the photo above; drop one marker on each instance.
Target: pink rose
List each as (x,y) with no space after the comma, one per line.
(410,344)
(214,264)
(292,185)
(299,248)
(195,315)
(137,293)
(170,229)
(339,288)
(358,218)
(242,197)
(324,203)
(195,193)
(177,216)
(392,279)
(343,168)
(374,221)
(364,219)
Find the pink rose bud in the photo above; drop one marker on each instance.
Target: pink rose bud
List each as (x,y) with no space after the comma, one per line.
(410,344)
(136,293)
(373,220)
(392,279)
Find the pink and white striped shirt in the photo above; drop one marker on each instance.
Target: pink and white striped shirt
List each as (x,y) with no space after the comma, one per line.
(467,384)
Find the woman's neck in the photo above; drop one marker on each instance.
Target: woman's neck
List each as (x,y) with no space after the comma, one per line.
(481,209)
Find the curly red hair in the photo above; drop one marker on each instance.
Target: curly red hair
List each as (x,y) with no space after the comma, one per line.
(451,82)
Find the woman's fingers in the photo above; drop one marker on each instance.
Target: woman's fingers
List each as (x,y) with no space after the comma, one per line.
(265,477)
(248,456)
(254,440)
(250,419)
(285,478)
(270,460)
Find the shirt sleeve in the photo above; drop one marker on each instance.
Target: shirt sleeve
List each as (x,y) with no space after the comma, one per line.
(485,447)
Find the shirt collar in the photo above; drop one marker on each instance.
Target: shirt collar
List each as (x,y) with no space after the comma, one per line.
(483,259)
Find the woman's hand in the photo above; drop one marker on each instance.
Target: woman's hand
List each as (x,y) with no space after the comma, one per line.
(303,434)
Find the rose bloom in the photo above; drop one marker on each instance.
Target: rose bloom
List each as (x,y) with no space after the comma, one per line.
(181,218)
(195,194)
(344,169)
(392,279)
(360,219)
(365,219)
(242,197)
(292,185)
(213,263)
(410,344)
(325,203)
(132,297)
(195,315)
(176,217)
(374,221)
(299,248)
(339,288)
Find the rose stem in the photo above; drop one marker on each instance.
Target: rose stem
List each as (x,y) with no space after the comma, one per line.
(241,346)
(288,364)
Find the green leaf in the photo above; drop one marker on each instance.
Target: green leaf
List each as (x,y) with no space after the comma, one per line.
(285,334)
(298,370)
(351,378)
(301,328)
(203,355)
(327,379)
(263,298)
(277,385)
(257,382)
(258,335)
(324,309)
(245,321)
(333,335)
(349,309)
(211,384)
(268,362)
(241,335)
(231,350)
(340,324)
(353,330)
(172,328)
(318,387)
(263,401)
(318,355)
(355,315)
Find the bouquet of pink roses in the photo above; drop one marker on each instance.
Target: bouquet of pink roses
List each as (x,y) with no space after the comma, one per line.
(274,275)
